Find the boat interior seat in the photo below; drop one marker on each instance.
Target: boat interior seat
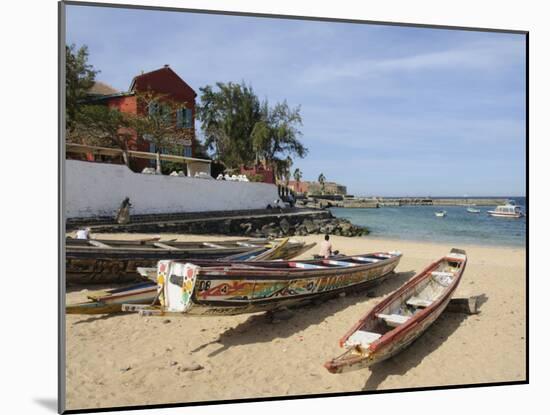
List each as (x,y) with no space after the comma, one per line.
(305,266)
(339,263)
(393,320)
(362,338)
(442,274)
(383,255)
(419,302)
(365,259)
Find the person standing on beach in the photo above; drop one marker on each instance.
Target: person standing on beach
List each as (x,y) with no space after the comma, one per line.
(326,248)
(123,214)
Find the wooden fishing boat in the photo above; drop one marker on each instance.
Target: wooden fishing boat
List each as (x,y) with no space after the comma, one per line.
(403,316)
(110,301)
(91,261)
(281,251)
(192,289)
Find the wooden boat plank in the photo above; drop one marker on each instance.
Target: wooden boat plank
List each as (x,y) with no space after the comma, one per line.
(365,259)
(339,263)
(211,245)
(418,302)
(305,266)
(98,244)
(165,246)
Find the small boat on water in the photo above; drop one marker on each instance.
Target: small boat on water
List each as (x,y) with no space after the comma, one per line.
(441,213)
(400,318)
(473,209)
(237,288)
(110,301)
(509,210)
(96,261)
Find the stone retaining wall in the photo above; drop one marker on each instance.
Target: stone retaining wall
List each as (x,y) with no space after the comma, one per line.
(266,225)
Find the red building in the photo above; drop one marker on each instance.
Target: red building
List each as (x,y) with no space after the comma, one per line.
(161,81)
(260,172)
(298,187)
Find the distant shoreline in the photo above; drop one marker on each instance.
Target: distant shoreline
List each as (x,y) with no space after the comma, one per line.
(439,243)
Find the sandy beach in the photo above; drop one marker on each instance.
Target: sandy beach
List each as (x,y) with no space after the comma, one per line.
(126,359)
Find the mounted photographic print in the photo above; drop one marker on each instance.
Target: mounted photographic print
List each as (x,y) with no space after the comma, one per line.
(269,207)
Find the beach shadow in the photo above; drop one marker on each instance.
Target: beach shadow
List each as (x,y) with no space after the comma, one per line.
(99,317)
(48,403)
(481,299)
(413,355)
(260,328)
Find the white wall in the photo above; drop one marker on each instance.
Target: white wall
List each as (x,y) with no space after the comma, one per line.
(96,189)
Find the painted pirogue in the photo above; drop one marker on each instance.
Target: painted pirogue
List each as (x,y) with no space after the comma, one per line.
(399,319)
(187,288)
(112,261)
(110,301)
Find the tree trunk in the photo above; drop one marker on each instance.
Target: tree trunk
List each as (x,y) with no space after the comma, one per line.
(125,158)
(159,171)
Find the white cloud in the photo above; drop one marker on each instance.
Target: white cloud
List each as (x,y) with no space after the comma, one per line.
(481,55)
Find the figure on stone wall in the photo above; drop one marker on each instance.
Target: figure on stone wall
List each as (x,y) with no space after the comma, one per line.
(123,214)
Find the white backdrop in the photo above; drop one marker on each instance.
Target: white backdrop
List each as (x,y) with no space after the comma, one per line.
(29,179)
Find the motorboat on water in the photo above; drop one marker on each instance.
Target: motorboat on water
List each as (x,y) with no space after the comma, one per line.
(441,213)
(509,210)
(473,209)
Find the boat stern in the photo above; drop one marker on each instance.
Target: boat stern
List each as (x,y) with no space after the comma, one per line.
(175,284)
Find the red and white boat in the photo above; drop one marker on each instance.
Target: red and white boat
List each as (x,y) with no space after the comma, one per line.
(399,319)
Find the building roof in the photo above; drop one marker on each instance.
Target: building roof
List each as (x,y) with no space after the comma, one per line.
(141,79)
(101,88)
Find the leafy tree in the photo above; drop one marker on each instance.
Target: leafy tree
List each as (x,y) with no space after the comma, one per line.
(322,179)
(159,123)
(79,78)
(228,117)
(283,134)
(241,130)
(99,125)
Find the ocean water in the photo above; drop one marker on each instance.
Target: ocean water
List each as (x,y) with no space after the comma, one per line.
(420,223)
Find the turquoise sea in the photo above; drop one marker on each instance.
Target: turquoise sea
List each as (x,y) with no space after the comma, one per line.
(459,226)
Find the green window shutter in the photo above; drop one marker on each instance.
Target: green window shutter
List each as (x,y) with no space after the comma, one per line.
(179,118)
(188,118)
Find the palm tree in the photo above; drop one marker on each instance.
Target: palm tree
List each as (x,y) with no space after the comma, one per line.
(321,179)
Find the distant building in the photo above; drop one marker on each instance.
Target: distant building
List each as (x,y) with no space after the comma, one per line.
(259,173)
(162,81)
(312,188)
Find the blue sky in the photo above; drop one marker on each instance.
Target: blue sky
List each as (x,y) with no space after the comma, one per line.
(387,110)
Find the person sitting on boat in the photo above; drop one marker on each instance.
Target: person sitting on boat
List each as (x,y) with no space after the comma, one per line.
(326,248)
(83,233)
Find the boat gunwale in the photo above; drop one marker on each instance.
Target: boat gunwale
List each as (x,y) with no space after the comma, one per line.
(251,271)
